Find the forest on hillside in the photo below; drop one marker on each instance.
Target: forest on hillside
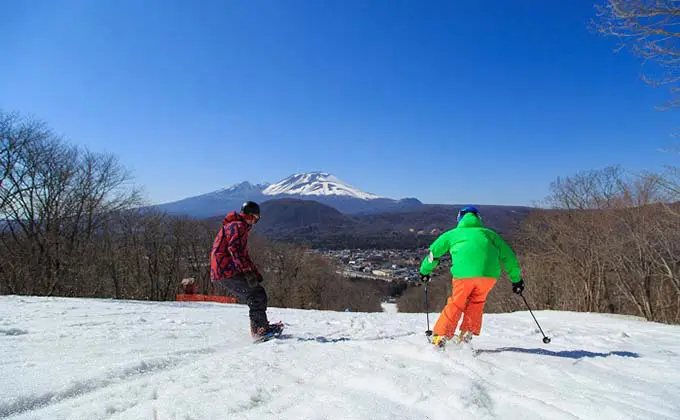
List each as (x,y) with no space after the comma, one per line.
(73,225)
(608,242)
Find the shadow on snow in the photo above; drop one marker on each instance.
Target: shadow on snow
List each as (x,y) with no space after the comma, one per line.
(569,354)
(319,339)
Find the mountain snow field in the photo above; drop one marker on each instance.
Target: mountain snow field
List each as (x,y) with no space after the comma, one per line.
(316,183)
(322,187)
(105,359)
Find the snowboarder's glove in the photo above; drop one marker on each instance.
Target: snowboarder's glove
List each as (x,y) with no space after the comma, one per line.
(252,278)
(518,287)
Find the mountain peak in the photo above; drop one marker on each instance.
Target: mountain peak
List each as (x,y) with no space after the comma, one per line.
(316,184)
(244,186)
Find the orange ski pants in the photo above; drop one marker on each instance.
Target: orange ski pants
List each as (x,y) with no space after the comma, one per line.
(468,297)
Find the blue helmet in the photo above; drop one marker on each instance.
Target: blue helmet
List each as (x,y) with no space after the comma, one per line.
(468,209)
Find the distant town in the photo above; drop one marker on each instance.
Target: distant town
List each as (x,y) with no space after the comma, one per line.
(379,264)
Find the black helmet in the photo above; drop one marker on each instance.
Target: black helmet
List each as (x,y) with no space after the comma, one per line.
(251,207)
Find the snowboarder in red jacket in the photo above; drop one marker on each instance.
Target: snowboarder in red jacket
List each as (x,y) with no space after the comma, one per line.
(232,268)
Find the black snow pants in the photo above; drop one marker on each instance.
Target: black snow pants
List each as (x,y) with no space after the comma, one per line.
(252,295)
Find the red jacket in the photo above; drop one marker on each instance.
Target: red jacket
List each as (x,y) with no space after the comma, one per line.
(229,253)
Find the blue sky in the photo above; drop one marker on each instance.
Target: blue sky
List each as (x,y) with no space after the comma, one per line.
(450,102)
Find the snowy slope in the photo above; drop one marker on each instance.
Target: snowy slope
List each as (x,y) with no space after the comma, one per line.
(316,184)
(216,203)
(101,359)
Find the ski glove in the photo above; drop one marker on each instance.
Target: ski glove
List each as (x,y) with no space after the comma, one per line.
(518,287)
(424,278)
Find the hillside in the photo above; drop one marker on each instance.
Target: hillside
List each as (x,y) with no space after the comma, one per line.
(300,216)
(94,359)
(319,225)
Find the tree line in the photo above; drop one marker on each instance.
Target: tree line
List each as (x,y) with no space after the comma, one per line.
(610,244)
(72,223)
(606,241)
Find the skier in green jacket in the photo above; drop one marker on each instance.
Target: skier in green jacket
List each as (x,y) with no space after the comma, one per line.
(477,256)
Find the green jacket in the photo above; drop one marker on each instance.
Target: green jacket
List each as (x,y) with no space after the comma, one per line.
(475,252)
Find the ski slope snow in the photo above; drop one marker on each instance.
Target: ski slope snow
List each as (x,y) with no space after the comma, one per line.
(106,359)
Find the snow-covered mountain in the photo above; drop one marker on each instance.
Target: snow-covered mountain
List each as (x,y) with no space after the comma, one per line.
(244,187)
(104,358)
(317,184)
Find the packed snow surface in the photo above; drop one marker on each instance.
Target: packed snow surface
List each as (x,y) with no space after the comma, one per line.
(316,183)
(106,359)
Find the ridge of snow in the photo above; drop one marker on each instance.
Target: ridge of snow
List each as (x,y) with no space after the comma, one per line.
(242,186)
(69,358)
(239,188)
(316,184)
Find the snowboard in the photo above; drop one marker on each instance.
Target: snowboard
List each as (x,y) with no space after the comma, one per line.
(278,326)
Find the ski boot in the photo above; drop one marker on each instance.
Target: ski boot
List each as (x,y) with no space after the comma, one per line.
(275,329)
(464,337)
(262,334)
(439,341)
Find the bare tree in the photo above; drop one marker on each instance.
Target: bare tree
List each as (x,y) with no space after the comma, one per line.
(55,198)
(16,135)
(71,228)
(297,278)
(650,28)
(439,290)
(588,190)
(669,184)
(609,245)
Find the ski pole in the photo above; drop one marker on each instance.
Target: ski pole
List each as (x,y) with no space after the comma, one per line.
(546,340)
(428,332)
